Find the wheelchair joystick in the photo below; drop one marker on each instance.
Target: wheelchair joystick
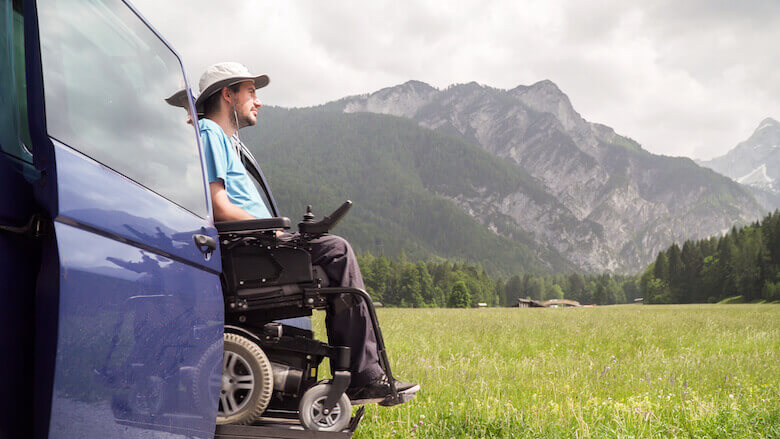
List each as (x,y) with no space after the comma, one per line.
(308,217)
(310,228)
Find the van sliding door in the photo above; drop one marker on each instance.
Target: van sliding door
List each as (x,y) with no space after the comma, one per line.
(130,310)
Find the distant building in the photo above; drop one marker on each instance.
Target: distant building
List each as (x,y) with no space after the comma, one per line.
(528,303)
(482,305)
(554,303)
(639,300)
(559,303)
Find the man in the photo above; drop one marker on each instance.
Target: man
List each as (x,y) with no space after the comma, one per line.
(229,102)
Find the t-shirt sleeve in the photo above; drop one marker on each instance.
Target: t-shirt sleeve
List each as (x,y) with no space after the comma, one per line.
(215,155)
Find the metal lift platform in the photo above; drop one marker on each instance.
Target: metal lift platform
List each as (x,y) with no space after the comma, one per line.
(267,428)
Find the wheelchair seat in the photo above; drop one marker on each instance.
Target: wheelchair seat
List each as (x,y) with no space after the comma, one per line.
(264,276)
(253,225)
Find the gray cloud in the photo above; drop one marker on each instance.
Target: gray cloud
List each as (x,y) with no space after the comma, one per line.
(683,78)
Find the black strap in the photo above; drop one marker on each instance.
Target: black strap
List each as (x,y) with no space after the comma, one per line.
(35,228)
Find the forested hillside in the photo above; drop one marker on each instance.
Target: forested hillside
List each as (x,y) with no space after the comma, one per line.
(744,262)
(402,178)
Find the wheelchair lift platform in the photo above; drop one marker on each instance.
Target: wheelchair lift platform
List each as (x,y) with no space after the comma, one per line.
(267,428)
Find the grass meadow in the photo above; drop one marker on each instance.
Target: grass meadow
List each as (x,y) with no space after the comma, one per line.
(614,371)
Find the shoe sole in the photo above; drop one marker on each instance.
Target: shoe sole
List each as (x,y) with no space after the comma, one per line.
(405,395)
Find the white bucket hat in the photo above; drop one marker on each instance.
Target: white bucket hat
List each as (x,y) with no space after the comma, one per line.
(225,74)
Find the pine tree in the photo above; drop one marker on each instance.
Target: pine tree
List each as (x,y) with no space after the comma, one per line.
(661,268)
(459,296)
(675,273)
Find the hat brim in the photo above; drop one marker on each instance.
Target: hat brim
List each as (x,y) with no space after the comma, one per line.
(178,99)
(260,82)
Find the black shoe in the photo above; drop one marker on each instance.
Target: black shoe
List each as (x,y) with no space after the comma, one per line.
(379,391)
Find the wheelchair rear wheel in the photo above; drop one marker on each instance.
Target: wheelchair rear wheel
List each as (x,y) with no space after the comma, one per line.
(247,381)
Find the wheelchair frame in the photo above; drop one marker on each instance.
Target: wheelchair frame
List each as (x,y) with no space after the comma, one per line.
(267,279)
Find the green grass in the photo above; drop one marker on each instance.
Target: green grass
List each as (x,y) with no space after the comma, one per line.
(618,371)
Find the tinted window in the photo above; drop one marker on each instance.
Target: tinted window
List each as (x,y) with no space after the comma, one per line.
(13,97)
(106,77)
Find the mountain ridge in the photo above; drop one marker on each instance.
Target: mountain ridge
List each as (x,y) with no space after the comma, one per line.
(641,201)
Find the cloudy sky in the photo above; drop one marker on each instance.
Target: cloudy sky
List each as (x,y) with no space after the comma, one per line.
(690,78)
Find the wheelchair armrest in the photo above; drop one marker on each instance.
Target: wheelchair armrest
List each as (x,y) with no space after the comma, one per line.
(254,225)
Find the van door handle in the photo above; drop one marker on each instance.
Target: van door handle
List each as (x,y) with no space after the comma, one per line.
(206,244)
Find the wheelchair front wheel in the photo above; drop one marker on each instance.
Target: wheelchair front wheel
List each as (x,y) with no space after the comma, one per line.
(311,410)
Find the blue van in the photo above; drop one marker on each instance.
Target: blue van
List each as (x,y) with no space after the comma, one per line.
(112,309)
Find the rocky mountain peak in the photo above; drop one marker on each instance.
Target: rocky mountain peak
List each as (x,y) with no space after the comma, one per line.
(545,97)
(546,84)
(473,85)
(418,86)
(755,163)
(768,123)
(766,135)
(401,100)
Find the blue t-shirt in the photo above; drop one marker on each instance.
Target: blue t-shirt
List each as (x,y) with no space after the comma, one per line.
(223,163)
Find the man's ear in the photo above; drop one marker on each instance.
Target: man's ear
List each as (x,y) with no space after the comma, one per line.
(226,95)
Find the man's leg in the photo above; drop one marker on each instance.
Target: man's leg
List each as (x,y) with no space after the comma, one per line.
(348,322)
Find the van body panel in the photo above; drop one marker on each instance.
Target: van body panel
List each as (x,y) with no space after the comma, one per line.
(98,198)
(134,338)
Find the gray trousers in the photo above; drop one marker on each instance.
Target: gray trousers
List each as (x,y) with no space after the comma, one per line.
(348,321)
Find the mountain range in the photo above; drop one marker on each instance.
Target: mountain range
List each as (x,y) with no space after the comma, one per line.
(755,163)
(517,178)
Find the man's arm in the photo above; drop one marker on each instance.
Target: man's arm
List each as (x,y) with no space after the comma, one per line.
(224,209)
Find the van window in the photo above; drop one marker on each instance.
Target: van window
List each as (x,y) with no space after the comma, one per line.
(106,77)
(13,111)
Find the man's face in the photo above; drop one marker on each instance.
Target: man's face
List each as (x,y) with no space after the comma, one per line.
(247,105)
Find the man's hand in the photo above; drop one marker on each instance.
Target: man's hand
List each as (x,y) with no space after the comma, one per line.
(224,209)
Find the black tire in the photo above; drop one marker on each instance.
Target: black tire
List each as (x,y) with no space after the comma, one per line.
(247,381)
(310,410)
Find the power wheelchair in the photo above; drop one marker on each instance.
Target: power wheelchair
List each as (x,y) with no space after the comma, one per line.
(270,368)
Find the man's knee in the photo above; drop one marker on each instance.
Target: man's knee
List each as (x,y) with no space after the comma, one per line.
(333,245)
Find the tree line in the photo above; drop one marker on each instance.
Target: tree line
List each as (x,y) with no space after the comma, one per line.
(744,262)
(445,283)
